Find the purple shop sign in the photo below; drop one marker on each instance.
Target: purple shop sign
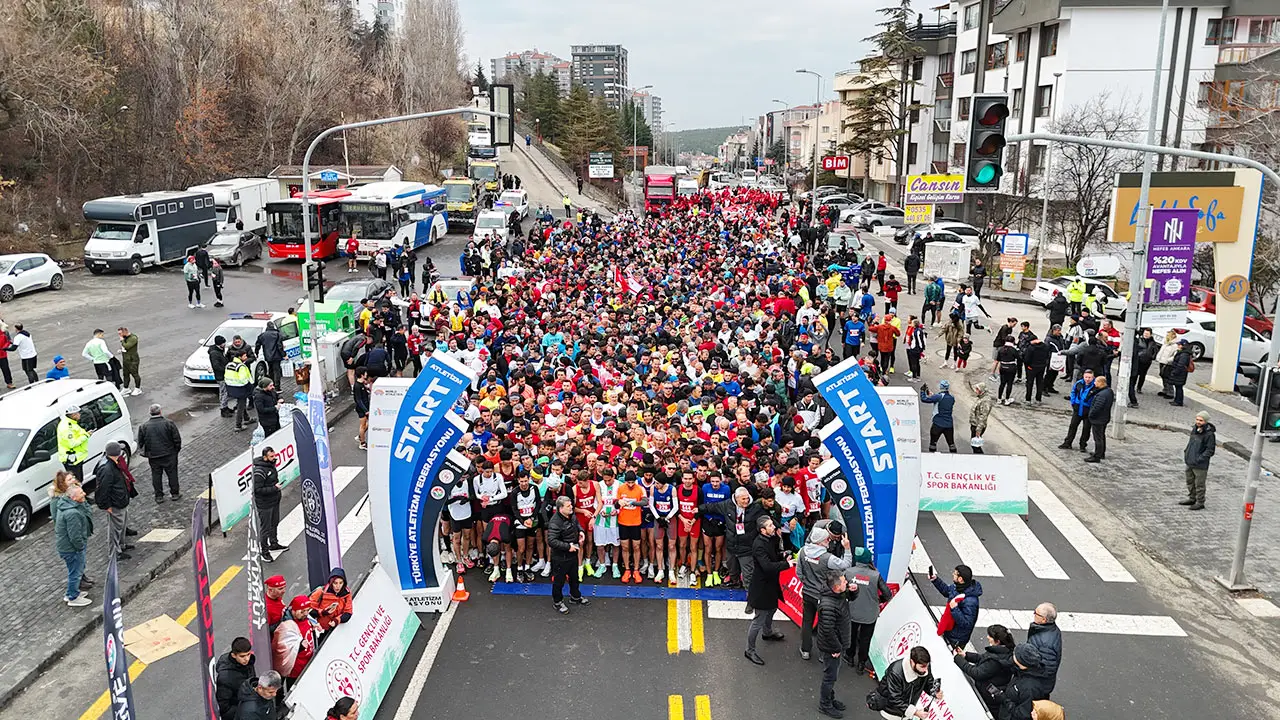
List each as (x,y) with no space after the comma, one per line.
(1170,254)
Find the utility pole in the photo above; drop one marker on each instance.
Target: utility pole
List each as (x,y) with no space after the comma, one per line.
(1048,176)
(817,125)
(1138,268)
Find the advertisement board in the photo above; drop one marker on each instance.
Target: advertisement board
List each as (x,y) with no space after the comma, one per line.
(902,405)
(981,484)
(360,657)
(904,623)
(835,162)
(917,214)
(233,482)
(935,189)
(1219,203)
(600,165)
(1170,253)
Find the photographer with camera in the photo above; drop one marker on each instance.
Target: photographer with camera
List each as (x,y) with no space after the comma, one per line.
(825,551)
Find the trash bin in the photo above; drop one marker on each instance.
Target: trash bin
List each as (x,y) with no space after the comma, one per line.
(1011,280)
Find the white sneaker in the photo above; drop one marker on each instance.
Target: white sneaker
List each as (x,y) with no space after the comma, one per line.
(650,572)
(137,391)
(81,601)
(189,305)
(509,577)
(684,572)
(537,566)
(446,557)
(661,574)
(474,554)
(199,305)
(546,570)
(493,575)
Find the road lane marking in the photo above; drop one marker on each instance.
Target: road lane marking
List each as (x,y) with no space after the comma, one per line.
(684,625)
(1086,622)
(673,630)
(702,707)
(675,707)
(966,543)
(698,639)
(1093,552)
(919,562)
(354,524)
(1029,547)
(290,527)
(103,703)
(732,610)
(1259,607)
(1247,418)
(409,702)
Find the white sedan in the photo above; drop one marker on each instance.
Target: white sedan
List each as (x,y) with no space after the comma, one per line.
(1114,303)
(25,272)
(1200,332)
(514,199)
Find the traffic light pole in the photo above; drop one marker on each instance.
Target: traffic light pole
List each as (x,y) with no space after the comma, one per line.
(1236,579)
(306,194)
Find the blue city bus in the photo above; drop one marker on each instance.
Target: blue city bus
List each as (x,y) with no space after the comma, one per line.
(382,215)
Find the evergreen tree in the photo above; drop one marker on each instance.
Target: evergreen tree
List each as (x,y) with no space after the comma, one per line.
(584,129)
(541,104)
(480,80)
(643,133)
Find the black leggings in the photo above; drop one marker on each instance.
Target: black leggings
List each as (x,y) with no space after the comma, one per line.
(886,359)
(936,432)
(193,290)
(1007,376)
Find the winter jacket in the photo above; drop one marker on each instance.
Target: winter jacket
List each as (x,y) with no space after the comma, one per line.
(218,362)
(766,588)
(114,486)
(864,606)
(990,671)
(1200,446)
(814,565)
(1100,406)
(1081,397)
(561,533)
(965,614)
(834,632)
(901,687)
(1047,638)
(229,677)
(265,478)
(1036,356)
(159,437)
(1092,355)
(1026,687)
(331,608)
(1166,353)
(265,405)
(72,524)
(1058,309)
(1007,356)
(911,264)
(253,706)
(945,403)
(738,544)
(1180,367)
(981,412)
(953,333)
(1003,335)
(270,345)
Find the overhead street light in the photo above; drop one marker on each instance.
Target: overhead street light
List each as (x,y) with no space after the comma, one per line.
(634,91)
(817,121)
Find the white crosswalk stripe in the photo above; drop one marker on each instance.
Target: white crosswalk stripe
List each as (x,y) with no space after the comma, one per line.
(1089,547)
(1085,622)
(966,542)
(1038,559)
(290,527)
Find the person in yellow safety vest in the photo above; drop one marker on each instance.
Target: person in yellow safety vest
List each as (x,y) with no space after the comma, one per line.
(73,442)
(1091,302)
(239,381)
(1075,295)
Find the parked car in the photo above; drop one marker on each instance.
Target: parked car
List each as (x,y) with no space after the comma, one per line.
(234,247)
(352,291)
(514,200)
(850,215)
(1200,332)
(849,240)
(887,216)
(1115,304)
(820,191)
(1203,299)
(25,272)
(907,233)
(196,371)
(946,236)
(839,201)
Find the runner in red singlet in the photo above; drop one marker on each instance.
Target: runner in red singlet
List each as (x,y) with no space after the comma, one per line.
(586,503)
(688,525)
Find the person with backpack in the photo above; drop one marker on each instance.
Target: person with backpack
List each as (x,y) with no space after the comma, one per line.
(352,353)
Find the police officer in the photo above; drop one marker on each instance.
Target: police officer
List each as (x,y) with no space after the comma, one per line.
(239,380)
(73,442)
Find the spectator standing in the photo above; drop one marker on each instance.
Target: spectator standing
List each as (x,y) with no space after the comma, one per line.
(129,362)
(952,334)
(1044,633)
(833,637)
(962,599)
(1164,356)
(73,443)
(977,277)
(904,681)
(1104,399)
(361,394)
(765,588)
(1030,683)
(202,264)
(270,347)
(934,294)
(943,424)
(564,536)
(115,489)
(216,274)
(1036,357)
(1081,397)
(160,442)
(191,274)
(911,265)
(232,670)
(26,349)
(6,342)
(266,402)
(96,352)
(1058,307)
(72,526)
(992,669)
(1145,347)
(218,368)
(276,588)
(870,590)
(258,698)
(978,416)
(1057,361)
(239,380)
(882,264)
(266,495)
(1178,371)
(59,370)
(823,553)
(331,604)
(352,251)
(1200,448)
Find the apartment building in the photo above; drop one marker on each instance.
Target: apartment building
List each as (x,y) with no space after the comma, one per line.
(602,70)
(563,72)
(1246,82)
(529,62)
(650,106)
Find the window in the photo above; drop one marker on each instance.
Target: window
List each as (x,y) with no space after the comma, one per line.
(1203,95)
(146,211)
(968,62)
(1016,110)
(998,55)
(1220,31)
(1024,46)
(958,154)
(1044,100)
(1011,156)
(971,15)
(917,69)
(915,115)
(173,208)
(942,111)
(964,108)
(160,209)
(912,151)
(198,203)
(143,233)
(1264,31)
(100,413)
(1048,40)
(1037,159)
(946,62)
(45,441)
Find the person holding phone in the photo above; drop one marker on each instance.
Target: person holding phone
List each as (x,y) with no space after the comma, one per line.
(331,604)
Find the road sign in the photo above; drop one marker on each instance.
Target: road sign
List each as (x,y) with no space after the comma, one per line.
(835,162)
(940,189)
(1092,266)
(1014,243)
(600,165)
(917,214)
(768,161)
(329,176)
(759,162)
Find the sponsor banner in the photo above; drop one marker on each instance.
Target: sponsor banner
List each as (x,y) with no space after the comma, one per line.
(847,486)
(118,686)
(902,405)
(979,484)
(867,437)
(1218,207)
(233,482)
(360,657)
(832,163)
(934,189)
(204,610)
(792,601)
(315,525)
(904,623)
(1013,263)
(917,214)
(259,630)
(1170,253)
(320,431)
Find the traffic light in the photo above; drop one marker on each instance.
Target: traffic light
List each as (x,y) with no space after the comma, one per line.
(1270,410)
(314,273)
(983,169)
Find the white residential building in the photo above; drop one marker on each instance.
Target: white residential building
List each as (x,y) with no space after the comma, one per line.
(529,61)
(650,107)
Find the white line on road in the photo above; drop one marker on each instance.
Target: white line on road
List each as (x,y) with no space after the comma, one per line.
(920,561)
(732,610)
(409,702)
(1033,552)
(684,626)
(1259,607)
(1247,418)
(354,524)
(965,541)
(290,527)
(1093,552)
(1086,622)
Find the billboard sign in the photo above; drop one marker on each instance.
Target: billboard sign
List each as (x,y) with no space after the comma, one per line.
(935,189)
(835,162)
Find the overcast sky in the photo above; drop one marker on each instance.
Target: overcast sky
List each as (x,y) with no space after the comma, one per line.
(713,62)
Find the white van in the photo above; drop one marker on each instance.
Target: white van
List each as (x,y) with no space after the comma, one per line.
(29,441)
(242,200)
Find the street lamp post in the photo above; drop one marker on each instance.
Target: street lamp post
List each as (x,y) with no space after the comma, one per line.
(633,125)
(786,146)
(1048,174)
(817,120)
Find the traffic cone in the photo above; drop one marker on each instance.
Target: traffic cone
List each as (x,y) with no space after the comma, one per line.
(461,594)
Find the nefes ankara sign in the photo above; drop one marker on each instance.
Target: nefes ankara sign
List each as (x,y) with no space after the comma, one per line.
(927,189)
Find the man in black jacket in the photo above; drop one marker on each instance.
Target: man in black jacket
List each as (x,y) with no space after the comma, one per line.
(766,589)
(912,267)
(904,681)
(1036,356)
(114,491)
(260,697)
(565,538)
(232,671)
(1145,347)
(160,441)
(833,635)
(1104,398)
(1057,343)
(270,347)
(218,365)
(266,495)
(1200,448)
(1030,682)
(1058,307)
(739,515)
(1043,632)
(266,401)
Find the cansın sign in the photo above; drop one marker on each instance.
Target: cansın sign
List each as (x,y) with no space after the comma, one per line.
(935,189)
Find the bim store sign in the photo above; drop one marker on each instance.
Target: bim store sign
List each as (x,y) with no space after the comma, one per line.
(864,444)
(412,468)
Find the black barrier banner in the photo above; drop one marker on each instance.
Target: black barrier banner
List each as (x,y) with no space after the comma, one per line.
(259,630)
(113,643)
(204,610)
(315,524)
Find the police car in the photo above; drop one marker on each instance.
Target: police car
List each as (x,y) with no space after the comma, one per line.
(197,371)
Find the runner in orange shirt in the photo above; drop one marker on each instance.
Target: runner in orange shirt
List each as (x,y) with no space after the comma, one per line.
(631,498)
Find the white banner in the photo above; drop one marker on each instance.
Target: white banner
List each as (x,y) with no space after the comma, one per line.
(905,623)
(974,484)
(361,656)
(902,405)
(233,482)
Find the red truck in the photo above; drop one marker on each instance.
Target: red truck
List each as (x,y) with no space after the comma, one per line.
(659,186)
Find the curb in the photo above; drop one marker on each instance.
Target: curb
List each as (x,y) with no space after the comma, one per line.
(126,594)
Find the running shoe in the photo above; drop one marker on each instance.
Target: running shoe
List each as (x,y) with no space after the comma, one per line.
(473,554)
(684,572)
(715,579)
(462,569)
(493,574)
(581,570)
(650,572)
(587,565)
(693,580)
(672,581)
(509,578)
(471,563)
(562,608)
(600,570)
(446,557)
(626,576)
(546,570)
(537,567)
(616,573)
(658,578)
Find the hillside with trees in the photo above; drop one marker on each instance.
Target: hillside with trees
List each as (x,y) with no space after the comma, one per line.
(703,140)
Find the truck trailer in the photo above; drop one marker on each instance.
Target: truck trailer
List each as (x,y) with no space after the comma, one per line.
(242,200)
(154,228)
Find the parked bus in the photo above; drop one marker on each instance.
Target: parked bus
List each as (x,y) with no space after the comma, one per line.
(387,214)
(284,225)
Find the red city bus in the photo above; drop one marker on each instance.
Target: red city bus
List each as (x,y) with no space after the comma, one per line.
(284,225)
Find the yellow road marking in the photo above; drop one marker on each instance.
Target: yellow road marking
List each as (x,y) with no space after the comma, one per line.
(695,628)
(673,631)
(702,707)
(103,703)
(675,707)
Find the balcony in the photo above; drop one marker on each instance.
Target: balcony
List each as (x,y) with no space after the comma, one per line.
(942,125)
(940,167)
(931,32)
(942,86)
(1241,54)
